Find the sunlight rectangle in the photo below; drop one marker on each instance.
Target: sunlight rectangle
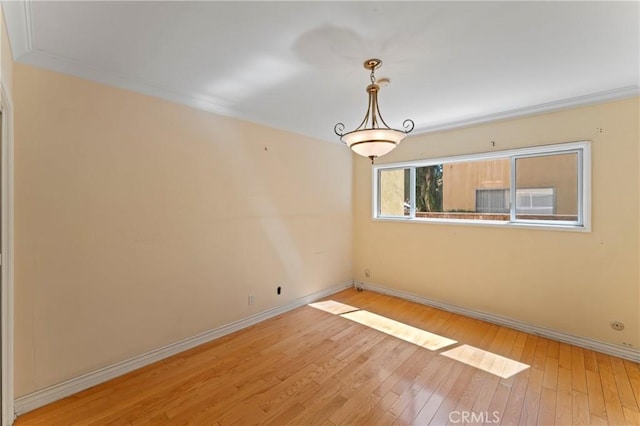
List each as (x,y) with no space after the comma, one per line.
(487,361)
(402,331)
(333,307)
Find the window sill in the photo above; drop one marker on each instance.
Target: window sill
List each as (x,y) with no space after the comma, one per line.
(489,223)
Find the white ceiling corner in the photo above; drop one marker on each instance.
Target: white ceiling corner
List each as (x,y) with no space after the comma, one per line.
(17,15)
(298,65)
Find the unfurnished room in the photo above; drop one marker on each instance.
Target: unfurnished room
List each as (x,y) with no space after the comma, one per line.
(320,212)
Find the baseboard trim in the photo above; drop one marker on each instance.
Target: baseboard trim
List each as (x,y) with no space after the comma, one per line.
(631,354)
(58,391)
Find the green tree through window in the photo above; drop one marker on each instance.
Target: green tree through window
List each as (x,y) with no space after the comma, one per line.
(429,188)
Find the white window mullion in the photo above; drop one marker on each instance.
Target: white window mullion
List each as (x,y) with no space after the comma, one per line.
(412,192)
(580,188)
(512,191)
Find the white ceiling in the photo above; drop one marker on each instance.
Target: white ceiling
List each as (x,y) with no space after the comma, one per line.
(298,65)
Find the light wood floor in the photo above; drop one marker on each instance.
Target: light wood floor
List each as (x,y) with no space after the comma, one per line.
(313,367)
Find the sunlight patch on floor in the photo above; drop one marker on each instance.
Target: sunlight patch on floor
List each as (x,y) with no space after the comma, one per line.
(333,307)
(402,331)
(487,361)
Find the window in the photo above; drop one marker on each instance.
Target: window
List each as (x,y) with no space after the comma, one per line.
(492,200)
(547,185)
(394,192)
(538,201)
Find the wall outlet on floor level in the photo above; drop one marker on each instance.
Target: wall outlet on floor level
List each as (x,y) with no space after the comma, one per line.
(251,299)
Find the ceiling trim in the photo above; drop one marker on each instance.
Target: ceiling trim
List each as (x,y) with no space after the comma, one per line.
(18,18)
(73,67)
(594,98)
(111,78)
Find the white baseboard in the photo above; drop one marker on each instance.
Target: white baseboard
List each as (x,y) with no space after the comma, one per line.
(631,354)
(58,391)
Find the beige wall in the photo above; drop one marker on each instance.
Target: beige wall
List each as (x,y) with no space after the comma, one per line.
(574,282)
(140,222)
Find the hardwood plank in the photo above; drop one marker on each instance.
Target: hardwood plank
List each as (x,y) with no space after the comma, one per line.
(499,400)
(411,400)
(596,399)
(598,421)
(564,380)
(564,356)
(590,360)
(580,405)
(403,374)
(553,350)
(632,416)
(615,414)
(438,397)
(625,392)
(540,355)
(386,420)
(322,414)
(499,345)
(531,401)
(550,380)
(578,377)
(380,409)
(547,410)
(442,416)
(515,402)
(633,373)
(564,409)
(381,366)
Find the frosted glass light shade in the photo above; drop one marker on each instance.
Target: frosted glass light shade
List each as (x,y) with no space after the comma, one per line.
(373,142)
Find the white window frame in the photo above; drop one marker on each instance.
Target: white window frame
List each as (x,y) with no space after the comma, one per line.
(581,148)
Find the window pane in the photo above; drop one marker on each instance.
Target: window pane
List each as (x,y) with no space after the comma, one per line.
(394,192)
(547,187)
(492,200)
(471,190)
(428,190)
(530,185)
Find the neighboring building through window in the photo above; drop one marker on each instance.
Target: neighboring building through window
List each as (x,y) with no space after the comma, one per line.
(492,201)
(542,185)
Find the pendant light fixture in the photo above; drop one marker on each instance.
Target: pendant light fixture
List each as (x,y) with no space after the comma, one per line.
(373,137)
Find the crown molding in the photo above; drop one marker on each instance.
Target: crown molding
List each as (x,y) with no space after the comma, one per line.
(80,69)
(18,18)
(578,101)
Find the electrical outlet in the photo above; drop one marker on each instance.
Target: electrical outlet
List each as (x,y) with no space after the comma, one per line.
(367,273)
(251,299)
(617,325)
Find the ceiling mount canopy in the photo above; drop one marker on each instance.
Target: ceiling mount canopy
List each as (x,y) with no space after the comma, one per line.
(373,137)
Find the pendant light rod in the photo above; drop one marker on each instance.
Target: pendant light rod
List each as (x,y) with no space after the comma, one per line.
(373,137)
